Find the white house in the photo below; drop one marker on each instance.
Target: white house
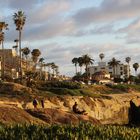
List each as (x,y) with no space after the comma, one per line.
(120,71)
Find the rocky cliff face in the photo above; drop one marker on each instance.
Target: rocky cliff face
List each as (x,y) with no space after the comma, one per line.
(113,109)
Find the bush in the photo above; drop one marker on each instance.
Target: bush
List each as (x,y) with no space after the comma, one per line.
(64,91)
(58,84)
(120,87)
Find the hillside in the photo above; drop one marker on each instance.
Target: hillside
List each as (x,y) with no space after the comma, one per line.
(101,104)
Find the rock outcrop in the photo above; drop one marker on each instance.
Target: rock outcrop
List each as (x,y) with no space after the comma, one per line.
(113,109)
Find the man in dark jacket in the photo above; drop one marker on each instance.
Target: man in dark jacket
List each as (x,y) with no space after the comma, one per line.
(76,110)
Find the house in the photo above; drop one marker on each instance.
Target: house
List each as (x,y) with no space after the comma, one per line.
(11,63)
(101,77)
(121,70)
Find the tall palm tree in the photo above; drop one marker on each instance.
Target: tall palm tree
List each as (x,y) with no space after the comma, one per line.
(19,20)
(128,59)
(56,70)
(35,54)
(75,62)
(136,66)
(53,67)
(3,26)
(87,60)
(26,51)
(101,55)
(80,62)
(114,64)
(41,62)
(49,66)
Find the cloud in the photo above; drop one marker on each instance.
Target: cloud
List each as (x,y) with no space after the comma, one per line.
(109,10)
(132,32)
(48,10)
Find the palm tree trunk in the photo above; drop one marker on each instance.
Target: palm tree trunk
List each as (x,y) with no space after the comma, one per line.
(20,56)
(26,63)
(3,62)
(114,72)
(76,69)
(87,71)
(81,69)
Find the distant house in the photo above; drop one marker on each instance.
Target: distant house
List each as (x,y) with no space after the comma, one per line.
(101,77)
(12,63)
(121,70)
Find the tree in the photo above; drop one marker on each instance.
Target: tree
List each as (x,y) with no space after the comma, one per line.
(26,51)
(128,59)
(101,55)
(136,66)
(41,61)
(19,20)
(87,60)
(35,54)
(114,64)
(49,67)
(3,26)
(75,62)
(80,62)
(53,67)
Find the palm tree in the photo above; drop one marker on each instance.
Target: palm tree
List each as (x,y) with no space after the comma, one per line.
(80,62)
(128,59)
(75,62)
(3,26)
(35,54)
(87,60)
(56,70)
(26,51)
(114,64)
(49,66)
(101,55)
(41,61)
(19,20)
(136,66)
(53,67)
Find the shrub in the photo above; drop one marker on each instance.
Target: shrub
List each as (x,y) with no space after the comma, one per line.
(58,84)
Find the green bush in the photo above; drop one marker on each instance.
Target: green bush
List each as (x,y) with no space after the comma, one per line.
(64,91)
(120,87)
(125,87)
(62,84)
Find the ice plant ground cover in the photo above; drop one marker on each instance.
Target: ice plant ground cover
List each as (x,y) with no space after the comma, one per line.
(83,131)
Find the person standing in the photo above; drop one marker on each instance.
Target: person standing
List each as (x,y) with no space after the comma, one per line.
(35,103)
(42,103)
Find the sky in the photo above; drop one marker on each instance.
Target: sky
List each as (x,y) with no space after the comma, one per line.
(64,29)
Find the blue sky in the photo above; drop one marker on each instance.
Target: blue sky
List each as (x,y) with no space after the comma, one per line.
(63,29)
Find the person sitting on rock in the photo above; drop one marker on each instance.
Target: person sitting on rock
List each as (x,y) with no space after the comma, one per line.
(76,109)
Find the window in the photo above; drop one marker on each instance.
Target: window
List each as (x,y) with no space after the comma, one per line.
(103,68)
(121,68)
(121,73)
(110,67)
(95,69)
